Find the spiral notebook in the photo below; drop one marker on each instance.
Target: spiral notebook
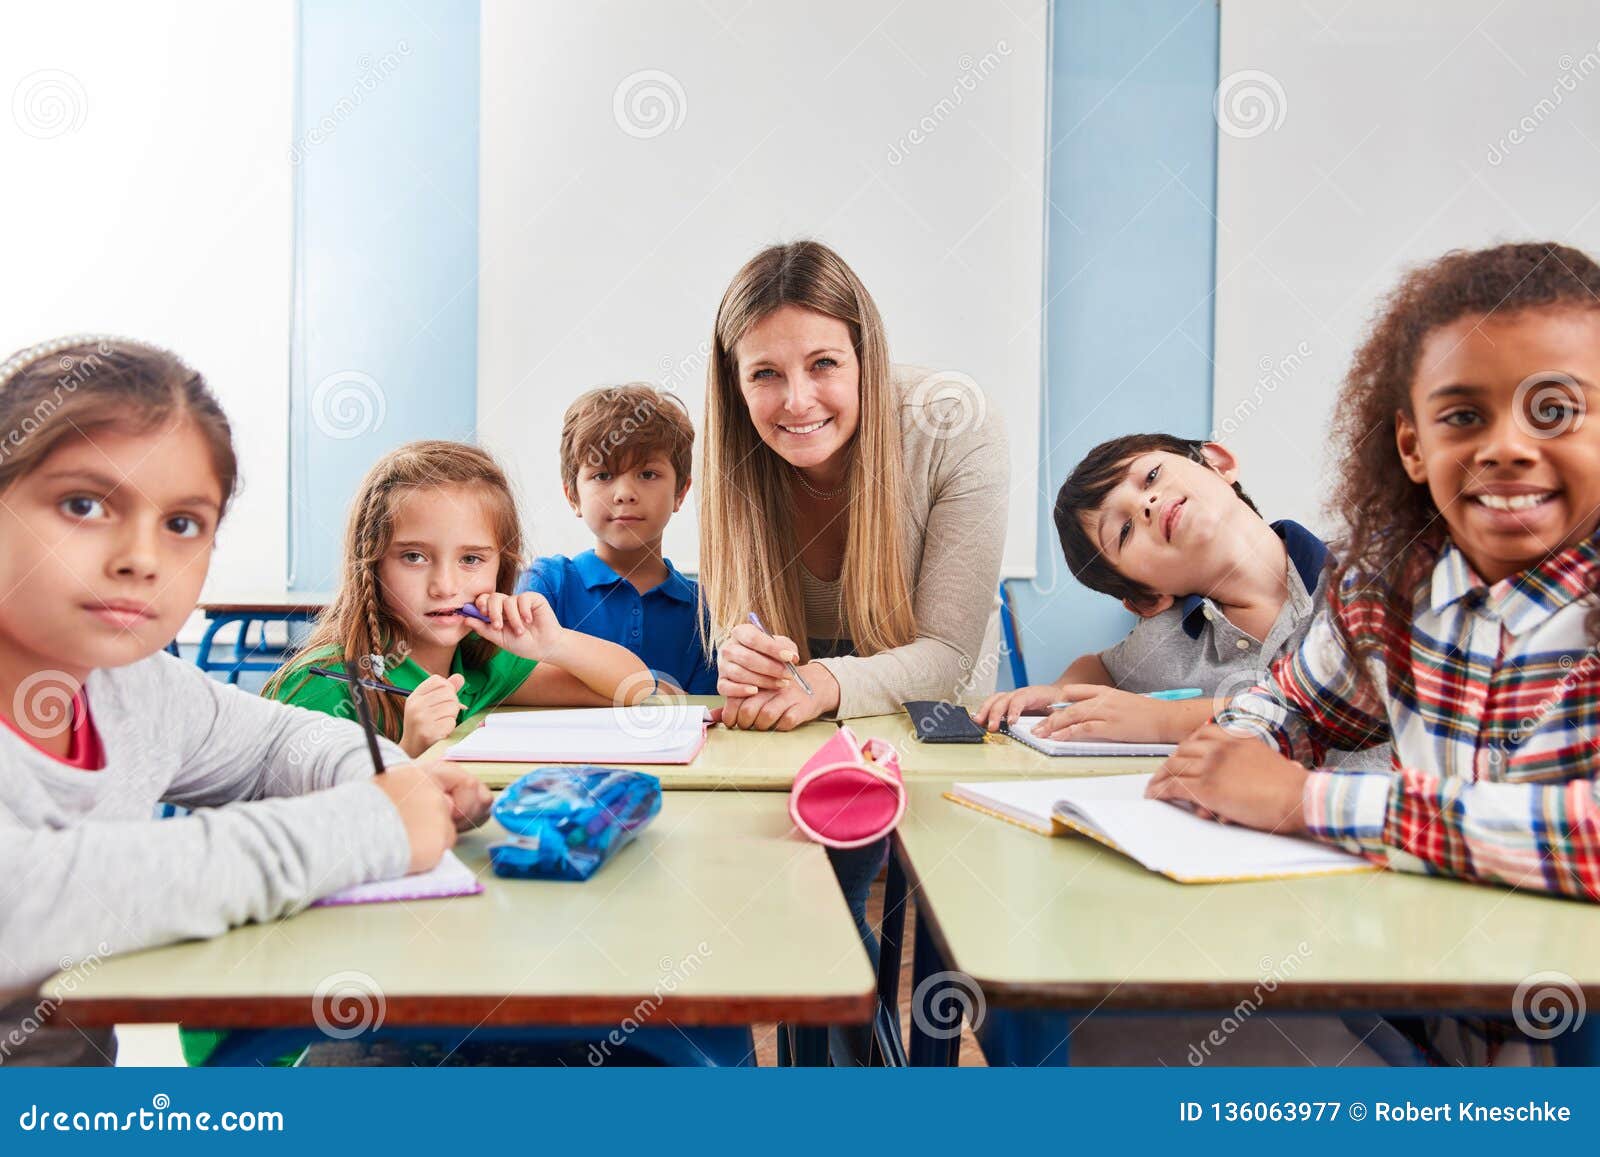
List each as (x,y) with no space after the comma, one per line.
(1022,732)
(449,878)
(1161,836)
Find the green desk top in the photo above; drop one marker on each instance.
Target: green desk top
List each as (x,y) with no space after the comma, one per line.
(997,757)
(1067,923)
(719,911)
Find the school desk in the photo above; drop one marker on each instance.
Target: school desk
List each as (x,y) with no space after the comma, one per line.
(1062,925)
(746,760)
(718,914)
(997,757)
(247,611)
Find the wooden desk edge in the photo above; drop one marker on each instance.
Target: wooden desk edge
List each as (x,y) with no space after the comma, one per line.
(1497,998)
(477,1010)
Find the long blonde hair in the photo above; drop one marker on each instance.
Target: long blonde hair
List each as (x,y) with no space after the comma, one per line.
(749,555)
(358,623)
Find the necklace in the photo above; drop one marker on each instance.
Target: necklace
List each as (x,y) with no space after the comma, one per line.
(824,495)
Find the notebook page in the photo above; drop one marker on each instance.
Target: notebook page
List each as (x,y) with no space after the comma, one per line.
(449,878)
(653,717)
(1166,838)
(1022,732)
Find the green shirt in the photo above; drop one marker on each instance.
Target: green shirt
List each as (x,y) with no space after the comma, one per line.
(485,686)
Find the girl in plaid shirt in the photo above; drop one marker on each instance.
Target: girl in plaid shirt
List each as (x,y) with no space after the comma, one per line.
(1461,623)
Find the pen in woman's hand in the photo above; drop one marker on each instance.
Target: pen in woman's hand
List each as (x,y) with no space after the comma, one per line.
(793,670)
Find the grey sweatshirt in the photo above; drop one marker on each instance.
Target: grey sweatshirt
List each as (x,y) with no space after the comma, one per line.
(286,813)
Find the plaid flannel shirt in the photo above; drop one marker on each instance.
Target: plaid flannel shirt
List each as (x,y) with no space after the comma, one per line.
(1490,697)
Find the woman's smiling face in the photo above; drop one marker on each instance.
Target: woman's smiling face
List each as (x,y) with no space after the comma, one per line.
(802,383)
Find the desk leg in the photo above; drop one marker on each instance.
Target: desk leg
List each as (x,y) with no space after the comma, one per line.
(808,1046)
(202,657)
(932,987)
(1018,1037)
(887,1047)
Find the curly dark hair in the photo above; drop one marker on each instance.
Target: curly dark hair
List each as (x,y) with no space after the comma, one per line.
(1089,484)
(1395,531)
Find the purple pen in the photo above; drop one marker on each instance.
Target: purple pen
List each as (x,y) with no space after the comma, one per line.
(469,611)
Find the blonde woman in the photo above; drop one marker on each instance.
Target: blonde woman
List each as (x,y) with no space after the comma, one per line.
(856,508)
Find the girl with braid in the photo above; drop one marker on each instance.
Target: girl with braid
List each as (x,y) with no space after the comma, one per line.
(434,528)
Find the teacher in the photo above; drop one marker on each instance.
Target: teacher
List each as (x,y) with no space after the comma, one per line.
(858,509)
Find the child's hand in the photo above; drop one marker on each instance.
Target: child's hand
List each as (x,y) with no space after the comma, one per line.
(431,712)
(1097,712)
(424,810)
(522,624)
(1234,779)
(1009,706)
(469,798)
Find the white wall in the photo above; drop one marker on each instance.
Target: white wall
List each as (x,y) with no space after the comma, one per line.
(147,193)
(608,234)
(1381,135)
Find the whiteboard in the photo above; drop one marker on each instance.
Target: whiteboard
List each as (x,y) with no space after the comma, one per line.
(1366,137)
(148,195)
(634,155)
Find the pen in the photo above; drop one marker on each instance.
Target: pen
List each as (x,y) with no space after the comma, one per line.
(793,670)
(369,684)
(1171,696)
(469,611)
(364,713)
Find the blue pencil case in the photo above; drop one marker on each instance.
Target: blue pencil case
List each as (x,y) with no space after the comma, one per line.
(566,822)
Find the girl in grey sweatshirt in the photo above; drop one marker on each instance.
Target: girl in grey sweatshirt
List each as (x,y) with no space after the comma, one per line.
(116,465)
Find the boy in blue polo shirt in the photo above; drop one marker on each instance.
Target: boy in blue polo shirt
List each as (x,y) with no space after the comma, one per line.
(625,466)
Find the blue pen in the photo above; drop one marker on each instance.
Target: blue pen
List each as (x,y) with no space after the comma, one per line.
(471,612)
(793,670)
(1171,696)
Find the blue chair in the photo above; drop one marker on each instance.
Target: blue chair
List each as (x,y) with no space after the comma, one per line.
(1012,643)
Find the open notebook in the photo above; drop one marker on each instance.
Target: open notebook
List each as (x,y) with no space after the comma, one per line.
(650,733)
(1022,732)
(1161,836)
(449,878)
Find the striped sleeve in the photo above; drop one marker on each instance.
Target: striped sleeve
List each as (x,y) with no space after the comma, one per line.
(1313,703)
(1544,837)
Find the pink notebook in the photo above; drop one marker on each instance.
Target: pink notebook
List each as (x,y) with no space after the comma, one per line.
(450,878)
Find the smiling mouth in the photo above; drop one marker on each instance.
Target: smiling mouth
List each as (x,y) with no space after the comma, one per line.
(1513,501)
(809,428)
(1170,517)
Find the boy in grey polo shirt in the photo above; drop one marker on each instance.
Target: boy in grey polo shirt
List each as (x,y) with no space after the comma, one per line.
(1162,523)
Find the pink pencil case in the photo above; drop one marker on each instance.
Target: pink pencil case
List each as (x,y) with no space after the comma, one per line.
(849,794)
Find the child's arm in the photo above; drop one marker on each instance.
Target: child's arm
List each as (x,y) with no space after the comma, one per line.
(525,625)
(127,882)
(1009,706)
